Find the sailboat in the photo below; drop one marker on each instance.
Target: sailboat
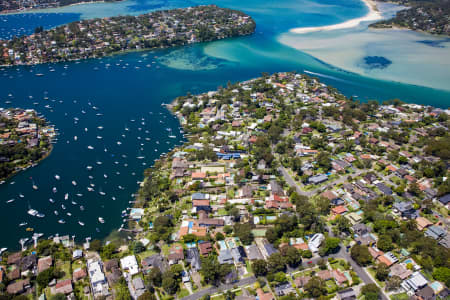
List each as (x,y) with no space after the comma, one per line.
(35,187)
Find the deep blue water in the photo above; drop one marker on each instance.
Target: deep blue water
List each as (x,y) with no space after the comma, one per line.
(23,24)
(376,62)
(133,86)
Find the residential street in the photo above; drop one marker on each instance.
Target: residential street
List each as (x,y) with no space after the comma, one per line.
(223,287)
(342,252)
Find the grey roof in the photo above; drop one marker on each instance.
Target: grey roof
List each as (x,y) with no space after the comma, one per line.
(384,188)
(193,257)
(270,249)
(435,232)
(318,178)
(445,199)
(138,283)
(347,294)
(253,252)
(236,255)
(225,257)
(199,196)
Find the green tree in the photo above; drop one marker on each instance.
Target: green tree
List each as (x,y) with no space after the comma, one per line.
(244,232)
(291,255)
(330,245)
(316,287)
(442,274)
(361,254)
(96,245)
(370,291)
(138,247)
(155,277)
(147,296)
(271,235)
(276,263)
(58,296)
(382,272)
(169,283)
(393,283)
(212,271)
(259,267)
(384,243)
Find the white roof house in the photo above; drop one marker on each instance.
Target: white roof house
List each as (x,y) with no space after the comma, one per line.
(97,277)
(130,264)
(415,282)
(315,242)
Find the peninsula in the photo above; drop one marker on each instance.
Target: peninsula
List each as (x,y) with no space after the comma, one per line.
(101,37)
(427,16)
(25,138)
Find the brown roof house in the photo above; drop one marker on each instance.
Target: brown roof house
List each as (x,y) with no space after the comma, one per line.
(176,254)
(18,287)
(205,248)
(79,274)
(44,263)
(14,258)
(64,287)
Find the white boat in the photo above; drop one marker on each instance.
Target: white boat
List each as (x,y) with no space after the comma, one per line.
(40,215)
(75,138)
(23,224)
(90,189)
(74,203)
(99,137)
(54,190)
(140,157)
(89,168)
(102,193)
(51,200)
(101,220)
(74,182)
(69,214)
(119,143)
(172,137)
(35,187)
(56,212)
(61,221)
(21,195)
(66,196)
(81,223)
(100,127)
(63,206)
(10,200)
(104,175)
(90,147)
(79,195)
(81,207)
(114,198)
(32,212)
(57,177)
(98,162)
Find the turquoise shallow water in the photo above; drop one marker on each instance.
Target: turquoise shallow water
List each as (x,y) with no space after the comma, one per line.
(133,86)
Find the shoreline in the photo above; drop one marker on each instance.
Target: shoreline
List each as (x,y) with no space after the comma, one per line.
(373,15)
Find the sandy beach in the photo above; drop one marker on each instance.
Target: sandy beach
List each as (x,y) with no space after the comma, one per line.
(372,15)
